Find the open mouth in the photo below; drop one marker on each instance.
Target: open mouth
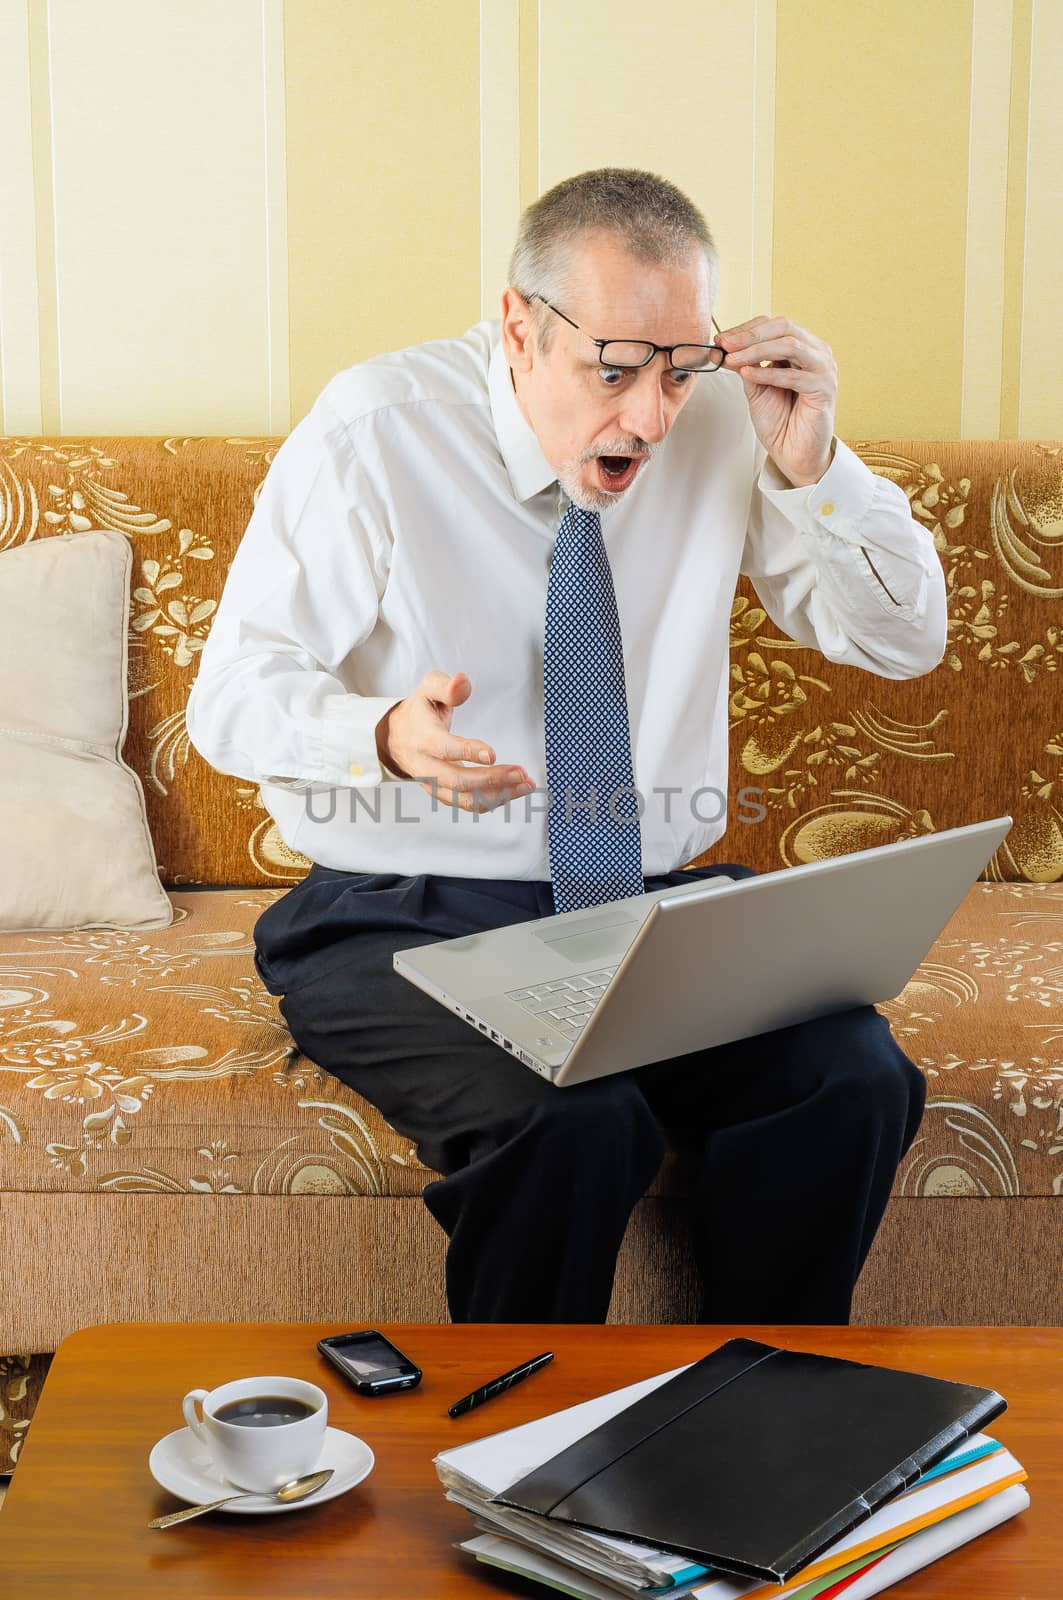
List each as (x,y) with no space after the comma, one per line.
(616,472)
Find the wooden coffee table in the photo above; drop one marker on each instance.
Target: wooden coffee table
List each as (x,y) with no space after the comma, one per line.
(75,1521)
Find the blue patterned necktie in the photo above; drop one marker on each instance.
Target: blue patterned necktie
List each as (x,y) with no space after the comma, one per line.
(594,857)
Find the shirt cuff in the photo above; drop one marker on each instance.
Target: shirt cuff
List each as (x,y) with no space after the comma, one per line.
(346,741)
(839,502)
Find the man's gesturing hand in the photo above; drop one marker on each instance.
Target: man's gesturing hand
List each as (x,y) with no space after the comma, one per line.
(415,741)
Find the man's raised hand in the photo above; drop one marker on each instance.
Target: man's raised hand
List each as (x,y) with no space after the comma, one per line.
(414,740)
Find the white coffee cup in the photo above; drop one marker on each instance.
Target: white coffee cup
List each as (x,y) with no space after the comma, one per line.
(259,1457)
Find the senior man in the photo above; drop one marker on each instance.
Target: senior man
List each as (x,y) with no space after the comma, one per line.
(474,648)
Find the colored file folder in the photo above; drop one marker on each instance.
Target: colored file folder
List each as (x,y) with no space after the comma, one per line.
(861,1578)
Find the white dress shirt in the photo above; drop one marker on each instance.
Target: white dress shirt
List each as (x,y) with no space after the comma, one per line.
(407,524)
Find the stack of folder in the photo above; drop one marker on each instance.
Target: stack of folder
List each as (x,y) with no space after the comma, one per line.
(754,1472)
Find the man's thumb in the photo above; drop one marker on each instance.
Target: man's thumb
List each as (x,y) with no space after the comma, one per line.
(444,689)
(458,690)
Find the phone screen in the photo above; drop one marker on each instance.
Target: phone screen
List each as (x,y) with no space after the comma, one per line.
(369,1356)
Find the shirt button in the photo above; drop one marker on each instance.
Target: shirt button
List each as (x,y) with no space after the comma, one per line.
(826,508)
(355,770)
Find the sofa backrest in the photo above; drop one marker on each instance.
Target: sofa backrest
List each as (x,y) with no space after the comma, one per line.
(838,759)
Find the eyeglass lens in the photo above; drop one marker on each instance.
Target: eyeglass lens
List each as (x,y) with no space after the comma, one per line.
(688,357)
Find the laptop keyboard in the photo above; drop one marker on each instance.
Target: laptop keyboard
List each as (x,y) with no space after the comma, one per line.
(565,1003)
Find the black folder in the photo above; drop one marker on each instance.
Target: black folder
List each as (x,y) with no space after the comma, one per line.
(756,1459)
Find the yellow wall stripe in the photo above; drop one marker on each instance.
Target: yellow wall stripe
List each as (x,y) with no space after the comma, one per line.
(529,102)
(158,171)
(678,90)
(872,129)
(20,356)
(500,107)
(1041,371)
(1015,226)
(987,195)
(43,136)
(383,120)
(762,198)
(278,377)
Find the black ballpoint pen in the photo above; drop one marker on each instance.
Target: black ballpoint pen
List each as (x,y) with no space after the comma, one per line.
(496,1385)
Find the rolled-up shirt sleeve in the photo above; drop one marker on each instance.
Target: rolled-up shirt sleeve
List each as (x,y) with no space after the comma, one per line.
(843,565)
(302,592)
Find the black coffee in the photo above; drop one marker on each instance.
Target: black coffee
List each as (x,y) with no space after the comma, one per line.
(264,1411)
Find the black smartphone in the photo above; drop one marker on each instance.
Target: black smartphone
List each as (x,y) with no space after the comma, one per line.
(372,1363)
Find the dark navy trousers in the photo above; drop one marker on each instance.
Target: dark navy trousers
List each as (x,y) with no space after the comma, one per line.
(795,1135)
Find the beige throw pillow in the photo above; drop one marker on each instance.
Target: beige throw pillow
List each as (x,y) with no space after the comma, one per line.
(77,852)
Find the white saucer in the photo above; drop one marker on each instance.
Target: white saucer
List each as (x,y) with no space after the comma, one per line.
(181,1464)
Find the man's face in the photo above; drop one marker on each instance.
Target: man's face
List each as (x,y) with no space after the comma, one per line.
(581,412)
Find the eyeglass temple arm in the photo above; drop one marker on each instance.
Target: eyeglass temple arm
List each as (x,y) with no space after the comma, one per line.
(546,302)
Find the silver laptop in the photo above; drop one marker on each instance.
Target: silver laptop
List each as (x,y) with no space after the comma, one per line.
(585,993)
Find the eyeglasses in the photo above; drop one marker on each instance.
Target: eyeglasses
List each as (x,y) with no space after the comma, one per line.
(637,352)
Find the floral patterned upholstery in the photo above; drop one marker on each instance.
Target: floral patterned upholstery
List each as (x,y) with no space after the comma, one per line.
(156,1062)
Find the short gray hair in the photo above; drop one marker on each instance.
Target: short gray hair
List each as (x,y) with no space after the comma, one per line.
(654,220)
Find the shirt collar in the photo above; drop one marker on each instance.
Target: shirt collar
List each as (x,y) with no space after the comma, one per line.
(529,470)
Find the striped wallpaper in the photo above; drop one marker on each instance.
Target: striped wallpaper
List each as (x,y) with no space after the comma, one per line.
(208,209)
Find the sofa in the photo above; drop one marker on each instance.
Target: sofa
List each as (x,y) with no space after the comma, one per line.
(167,1153)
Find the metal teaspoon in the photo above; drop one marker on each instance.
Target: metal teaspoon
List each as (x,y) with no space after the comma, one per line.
(298,1489)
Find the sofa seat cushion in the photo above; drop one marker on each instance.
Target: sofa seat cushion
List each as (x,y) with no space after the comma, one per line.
(983,1017)
(159,1062)
(156,1061)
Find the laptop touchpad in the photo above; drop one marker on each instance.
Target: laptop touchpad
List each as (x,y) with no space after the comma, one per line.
(587,948)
